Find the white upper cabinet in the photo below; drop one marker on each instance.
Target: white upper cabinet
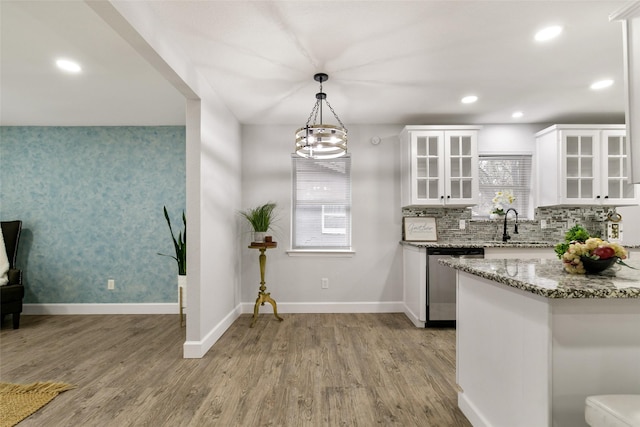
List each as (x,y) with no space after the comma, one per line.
(439,165)
(617,188)
(583,165)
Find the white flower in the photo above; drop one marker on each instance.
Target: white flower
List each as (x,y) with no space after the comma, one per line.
(502,198)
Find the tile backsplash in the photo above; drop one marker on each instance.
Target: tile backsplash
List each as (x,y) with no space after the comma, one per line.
(558,220)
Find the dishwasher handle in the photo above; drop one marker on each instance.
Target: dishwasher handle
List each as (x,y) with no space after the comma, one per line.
(457,252)
(470,256)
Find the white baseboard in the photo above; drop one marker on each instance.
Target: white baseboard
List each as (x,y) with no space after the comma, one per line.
(328,307)
(471,412)
(412,316)
(197,349)
(154,308)
(243,308)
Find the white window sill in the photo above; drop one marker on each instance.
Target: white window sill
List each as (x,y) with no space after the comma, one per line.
(321,253)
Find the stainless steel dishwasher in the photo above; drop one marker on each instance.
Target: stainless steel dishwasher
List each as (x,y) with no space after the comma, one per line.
(441,284)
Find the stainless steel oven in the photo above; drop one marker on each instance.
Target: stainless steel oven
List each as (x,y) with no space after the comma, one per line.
(441,284)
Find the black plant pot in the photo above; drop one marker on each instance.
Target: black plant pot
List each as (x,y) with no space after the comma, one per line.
(595,266)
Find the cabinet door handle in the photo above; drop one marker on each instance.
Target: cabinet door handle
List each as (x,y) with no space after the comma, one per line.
(606,197)
(442,197)
(597,197)
(448,197)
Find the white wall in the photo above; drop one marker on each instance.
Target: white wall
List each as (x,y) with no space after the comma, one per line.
(213,178)
(217,204)
(512,139)
(630,225)
(371,280)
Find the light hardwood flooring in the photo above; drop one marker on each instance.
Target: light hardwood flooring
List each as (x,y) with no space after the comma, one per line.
(309,370)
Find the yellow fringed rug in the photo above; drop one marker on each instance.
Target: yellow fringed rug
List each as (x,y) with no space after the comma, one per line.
(18,401)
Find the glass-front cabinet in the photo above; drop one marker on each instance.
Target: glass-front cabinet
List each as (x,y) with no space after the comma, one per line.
(583,165)
(439,165)
(580,164)
(618,188)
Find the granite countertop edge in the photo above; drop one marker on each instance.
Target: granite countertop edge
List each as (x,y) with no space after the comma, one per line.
(458,244)
(464,244)
(558,283)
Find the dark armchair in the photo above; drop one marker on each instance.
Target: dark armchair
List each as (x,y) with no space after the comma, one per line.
(12,293)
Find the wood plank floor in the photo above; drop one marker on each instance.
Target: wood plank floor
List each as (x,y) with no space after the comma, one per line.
(309,370)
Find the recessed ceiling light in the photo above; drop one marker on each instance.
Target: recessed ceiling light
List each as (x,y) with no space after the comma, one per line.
(469,99)
(548,33)
(601,84)
(67,65)
(517,114)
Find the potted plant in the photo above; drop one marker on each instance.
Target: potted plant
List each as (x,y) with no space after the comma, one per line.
(261,219)
(180,247)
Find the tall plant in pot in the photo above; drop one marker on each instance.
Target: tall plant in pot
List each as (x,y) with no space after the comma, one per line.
(261,218)
(180,247)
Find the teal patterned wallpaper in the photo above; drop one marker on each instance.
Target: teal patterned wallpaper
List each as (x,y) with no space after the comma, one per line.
(91,200)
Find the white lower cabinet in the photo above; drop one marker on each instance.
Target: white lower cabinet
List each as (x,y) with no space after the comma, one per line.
(414,267)
(530,361)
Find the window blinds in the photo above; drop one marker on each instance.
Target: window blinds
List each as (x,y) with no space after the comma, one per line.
(321,203)
(498,173)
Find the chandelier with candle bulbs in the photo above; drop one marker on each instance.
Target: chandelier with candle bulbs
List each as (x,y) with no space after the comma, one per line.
(318,140)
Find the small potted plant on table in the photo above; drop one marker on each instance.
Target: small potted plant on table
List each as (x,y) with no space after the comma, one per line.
(261,218)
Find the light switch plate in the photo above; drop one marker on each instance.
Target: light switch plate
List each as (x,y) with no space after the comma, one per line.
(462,224)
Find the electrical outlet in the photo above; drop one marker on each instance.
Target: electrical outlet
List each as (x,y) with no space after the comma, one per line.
(543,223)
(111,284)
(462,224)
(324,283)
(614,232)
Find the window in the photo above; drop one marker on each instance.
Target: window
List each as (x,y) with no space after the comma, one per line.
(497,173)
(321,204)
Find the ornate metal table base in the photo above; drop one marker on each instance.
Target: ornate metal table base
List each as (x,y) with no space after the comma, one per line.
(262,295)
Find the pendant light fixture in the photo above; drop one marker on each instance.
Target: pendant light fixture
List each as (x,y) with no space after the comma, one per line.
(317,140)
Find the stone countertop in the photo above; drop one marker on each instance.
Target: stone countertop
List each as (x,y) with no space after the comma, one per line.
(467,244)
(491,244)
(547,277)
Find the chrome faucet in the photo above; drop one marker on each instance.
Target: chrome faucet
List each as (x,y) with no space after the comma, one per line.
(505,235)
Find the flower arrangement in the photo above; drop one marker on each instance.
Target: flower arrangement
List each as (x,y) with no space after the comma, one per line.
(580,253)
(502,198)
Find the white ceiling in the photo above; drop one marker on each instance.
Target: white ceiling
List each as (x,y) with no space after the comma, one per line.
(402,62)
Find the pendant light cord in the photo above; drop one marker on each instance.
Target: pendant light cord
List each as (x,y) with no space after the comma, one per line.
(320,96)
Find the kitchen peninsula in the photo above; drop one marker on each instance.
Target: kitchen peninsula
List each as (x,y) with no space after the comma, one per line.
(534,341)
